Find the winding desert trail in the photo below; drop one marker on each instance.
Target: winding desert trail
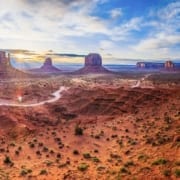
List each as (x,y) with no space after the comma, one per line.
(57,95)
(138,83)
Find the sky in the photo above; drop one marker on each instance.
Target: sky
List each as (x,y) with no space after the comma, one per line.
(117,29)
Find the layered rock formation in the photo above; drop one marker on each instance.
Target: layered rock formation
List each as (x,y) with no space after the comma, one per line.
(93,64)
(47,67)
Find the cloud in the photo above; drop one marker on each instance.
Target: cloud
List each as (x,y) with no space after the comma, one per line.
(115,13)
(158,42)
(163,37)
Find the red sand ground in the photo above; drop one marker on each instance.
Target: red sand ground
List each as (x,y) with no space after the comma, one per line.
(127,134)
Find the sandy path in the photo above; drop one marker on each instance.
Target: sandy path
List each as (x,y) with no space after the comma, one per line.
(139,82)
(57,95)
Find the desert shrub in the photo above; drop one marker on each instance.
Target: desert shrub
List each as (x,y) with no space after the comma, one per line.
(160,162)
(58,155)
(48,163)
(143,157)
(17,152)
(31,145)
(40,144)
(7,160)
(78,131)
(129,163)
(177,163)
(124,170)
(75,152)
(177,173)
(95,159)
(83,167)
(86,155)
(96,150)
(45,149)
(25,172)
(167,172)
(43,172)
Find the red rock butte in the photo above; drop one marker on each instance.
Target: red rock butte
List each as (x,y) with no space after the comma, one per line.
(169,65)
(93,59)
(47,67)
(93,64)
(4,61)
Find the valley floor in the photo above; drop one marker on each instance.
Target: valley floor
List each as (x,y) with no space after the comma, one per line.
(102,127)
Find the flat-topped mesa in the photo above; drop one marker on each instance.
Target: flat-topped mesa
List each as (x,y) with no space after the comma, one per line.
(92,64)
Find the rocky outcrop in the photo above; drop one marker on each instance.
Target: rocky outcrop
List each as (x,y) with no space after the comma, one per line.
(47,67)
(93,64)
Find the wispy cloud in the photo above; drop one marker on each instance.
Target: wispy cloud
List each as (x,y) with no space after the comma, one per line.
(115,13)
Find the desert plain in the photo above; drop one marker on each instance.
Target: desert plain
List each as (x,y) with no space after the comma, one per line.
(104,126)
